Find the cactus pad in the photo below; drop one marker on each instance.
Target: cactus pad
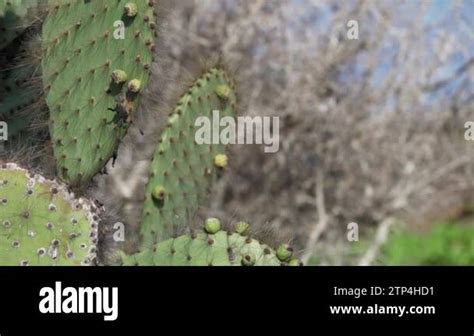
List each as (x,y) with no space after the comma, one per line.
(183,170)
(41,223)
(210,249)
(90,50)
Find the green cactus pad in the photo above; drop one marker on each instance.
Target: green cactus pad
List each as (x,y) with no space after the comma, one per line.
(41,223)
(203,249)
(15,17)
(82,51)
(181,166)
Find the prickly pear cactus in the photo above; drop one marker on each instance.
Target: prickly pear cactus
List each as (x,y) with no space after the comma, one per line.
(96,63)
(41,223)
(15,16)
(183,170)
(212,247)
(19,99)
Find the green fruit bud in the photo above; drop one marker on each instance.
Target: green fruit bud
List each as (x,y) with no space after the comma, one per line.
(119,76)
(212,225)
(135,86)
(130,9)
(221,161)
(294,262)
(223,92)
(242,228)
(159,193)
(284,252)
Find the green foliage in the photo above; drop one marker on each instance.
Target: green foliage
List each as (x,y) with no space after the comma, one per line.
(15,16)
(86,63)
(212,247)
(41,223)
(182,170)
(445,244)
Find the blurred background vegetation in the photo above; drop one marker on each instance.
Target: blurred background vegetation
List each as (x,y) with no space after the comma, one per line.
(372,129)
(444,244)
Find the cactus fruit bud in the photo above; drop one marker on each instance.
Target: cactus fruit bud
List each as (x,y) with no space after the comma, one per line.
(130,9)
(135,86)
(294,262)
(221,161)
(119,76)
(223,91)
(242,228)
(159,193)
(212,225)
(284,252)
